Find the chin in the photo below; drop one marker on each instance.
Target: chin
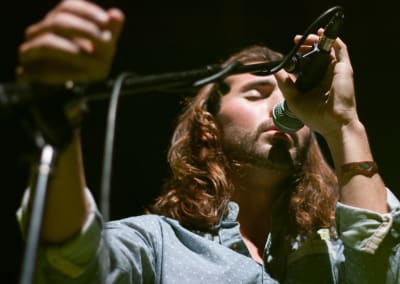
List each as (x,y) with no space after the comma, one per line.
(281,157)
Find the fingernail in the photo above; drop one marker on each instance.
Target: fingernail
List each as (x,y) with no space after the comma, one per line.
(102,17)
(106,35)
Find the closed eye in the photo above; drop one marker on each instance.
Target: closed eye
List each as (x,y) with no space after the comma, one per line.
(257,94)
(258,89)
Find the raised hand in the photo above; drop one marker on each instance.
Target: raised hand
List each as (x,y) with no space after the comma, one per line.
(75,41)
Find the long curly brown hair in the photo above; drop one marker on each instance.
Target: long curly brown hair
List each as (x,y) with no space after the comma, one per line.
(200,187)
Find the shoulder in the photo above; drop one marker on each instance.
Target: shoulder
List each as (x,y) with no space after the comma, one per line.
(142,222)
(146,225)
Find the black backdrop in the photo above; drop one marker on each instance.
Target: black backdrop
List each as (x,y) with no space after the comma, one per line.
(169,36)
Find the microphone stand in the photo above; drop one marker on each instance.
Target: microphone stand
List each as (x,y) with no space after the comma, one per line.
(17,97)
(52,121)
(46,162)
(45,111)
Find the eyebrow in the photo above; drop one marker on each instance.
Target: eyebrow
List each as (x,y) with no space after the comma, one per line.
(258,83)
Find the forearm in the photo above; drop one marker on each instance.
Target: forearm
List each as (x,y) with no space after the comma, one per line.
(66,207)
(350,144)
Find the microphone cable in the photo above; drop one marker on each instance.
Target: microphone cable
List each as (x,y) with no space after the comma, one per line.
(291,58)
(109,145)
(288,62)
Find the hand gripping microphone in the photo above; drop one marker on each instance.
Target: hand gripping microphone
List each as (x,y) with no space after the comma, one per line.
(311,68)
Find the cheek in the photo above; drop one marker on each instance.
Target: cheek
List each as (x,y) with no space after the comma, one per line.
(237,114)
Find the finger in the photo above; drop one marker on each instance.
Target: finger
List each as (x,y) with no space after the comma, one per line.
(59,48)
(53,47)
(308,43)
(286,83)
(84,9)
(325,84)
(309,40)
(341,52)
(106,47)
(50,43)
(69,26)
(117,19)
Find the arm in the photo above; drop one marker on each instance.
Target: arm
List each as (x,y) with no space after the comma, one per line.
(75,41)
(330,109)
(368,231)
(348,141)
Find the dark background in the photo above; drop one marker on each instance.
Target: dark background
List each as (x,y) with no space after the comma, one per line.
(169,36)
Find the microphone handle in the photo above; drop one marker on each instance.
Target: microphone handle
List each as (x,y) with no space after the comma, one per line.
(313,68)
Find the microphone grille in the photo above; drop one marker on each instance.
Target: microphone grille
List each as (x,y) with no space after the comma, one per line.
(284,119)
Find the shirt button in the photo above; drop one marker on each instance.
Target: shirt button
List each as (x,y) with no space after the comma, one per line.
(235,247)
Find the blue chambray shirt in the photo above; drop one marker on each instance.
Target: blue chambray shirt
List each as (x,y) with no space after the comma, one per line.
(157,249)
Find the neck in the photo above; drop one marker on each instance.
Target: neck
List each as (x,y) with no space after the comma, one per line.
(255,216)
(255,192)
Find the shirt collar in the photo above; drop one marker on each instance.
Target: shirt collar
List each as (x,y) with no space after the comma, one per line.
(233,212)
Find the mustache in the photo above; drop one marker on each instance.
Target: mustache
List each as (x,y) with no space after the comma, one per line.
(267,125)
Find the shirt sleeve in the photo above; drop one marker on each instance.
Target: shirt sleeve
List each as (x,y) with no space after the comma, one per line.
(364,230)
(371,243)
(71,257)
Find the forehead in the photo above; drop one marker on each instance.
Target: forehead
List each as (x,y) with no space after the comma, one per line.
(248,80)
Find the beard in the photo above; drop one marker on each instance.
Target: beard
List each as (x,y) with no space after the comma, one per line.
(246,149)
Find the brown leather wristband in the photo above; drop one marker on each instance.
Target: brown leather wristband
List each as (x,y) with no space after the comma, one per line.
(365,168)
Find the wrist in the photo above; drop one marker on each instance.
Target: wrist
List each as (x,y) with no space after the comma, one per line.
(365,168)
(349,144)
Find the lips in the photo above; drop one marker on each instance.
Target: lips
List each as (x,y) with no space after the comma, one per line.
(277,136)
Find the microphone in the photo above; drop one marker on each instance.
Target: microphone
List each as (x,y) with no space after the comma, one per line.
(311,68)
